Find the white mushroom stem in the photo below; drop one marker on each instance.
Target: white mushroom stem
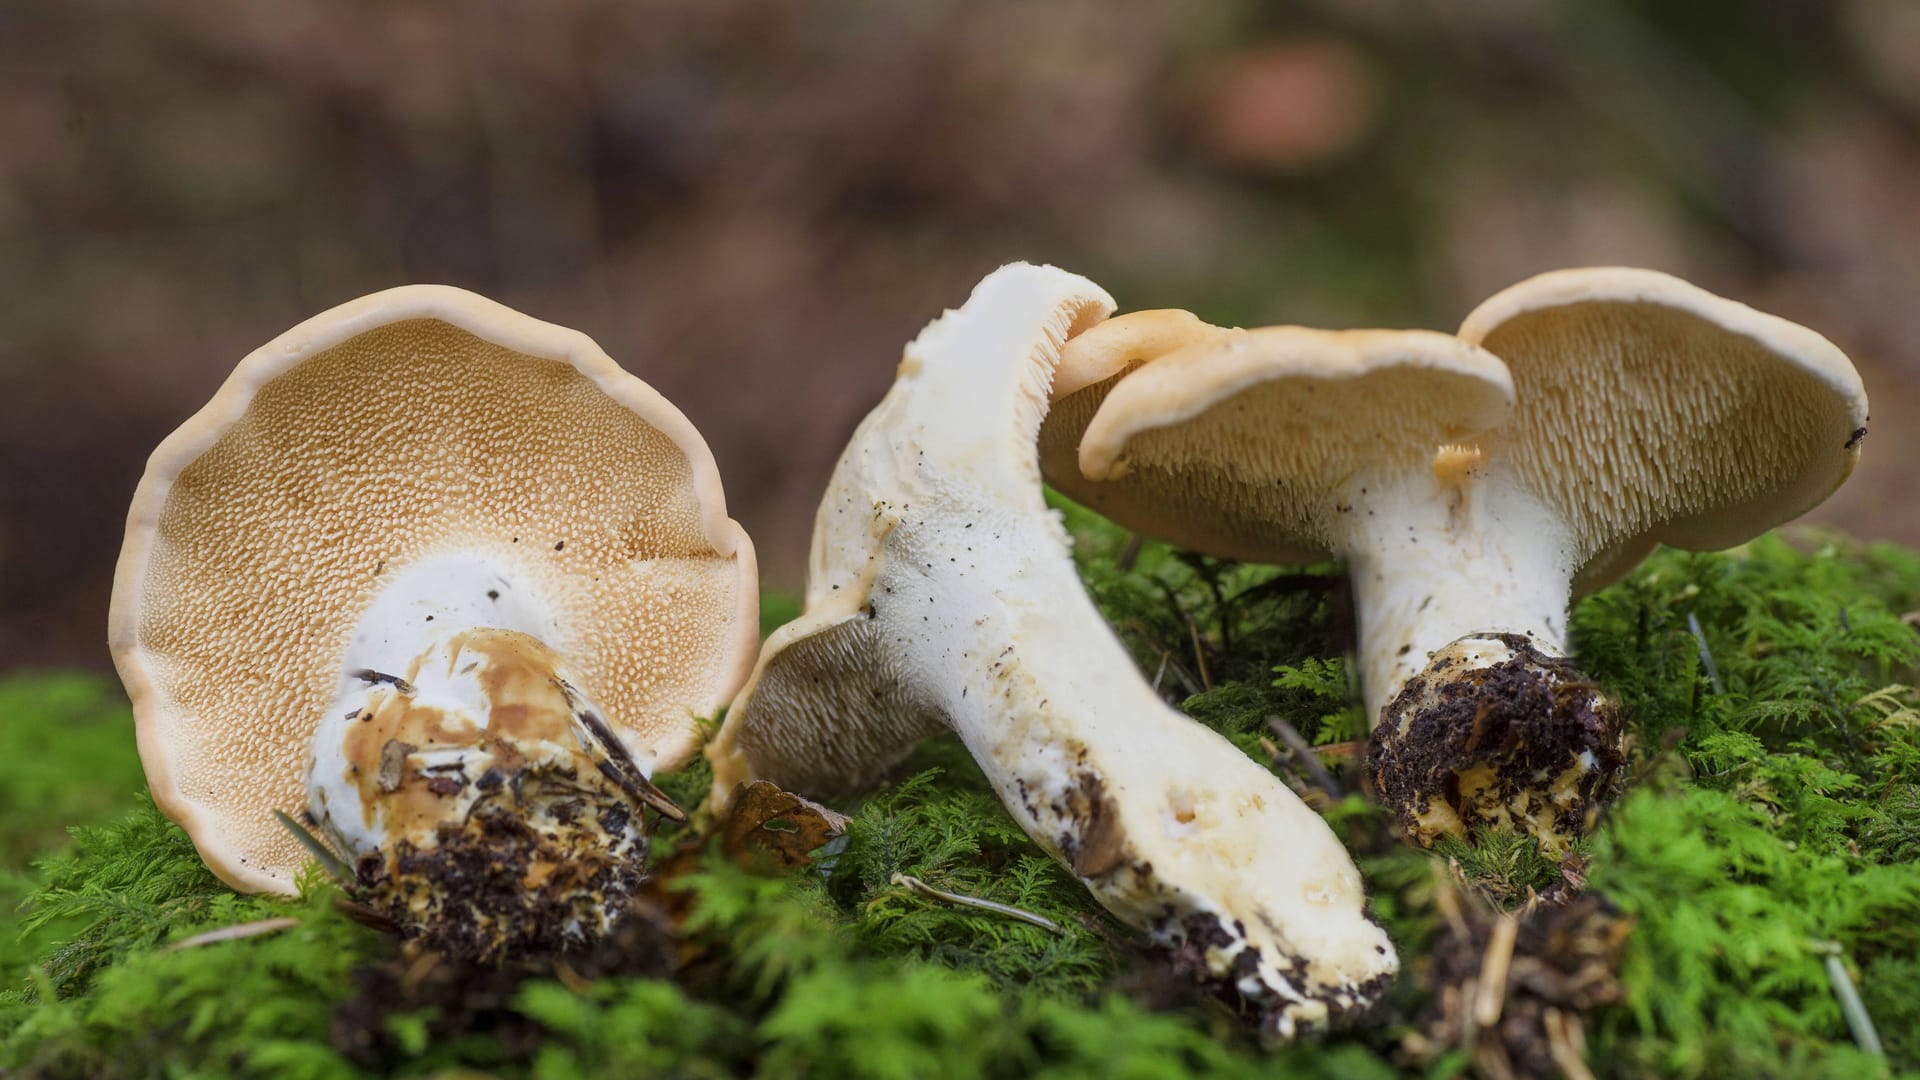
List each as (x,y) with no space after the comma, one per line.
(456,725)
(1462,579)
(1172,827)
(1437,556)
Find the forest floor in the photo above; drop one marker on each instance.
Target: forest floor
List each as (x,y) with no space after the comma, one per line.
(1763,866)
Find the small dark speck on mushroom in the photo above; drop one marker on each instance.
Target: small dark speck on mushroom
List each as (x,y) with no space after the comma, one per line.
(560,545)
(493,594)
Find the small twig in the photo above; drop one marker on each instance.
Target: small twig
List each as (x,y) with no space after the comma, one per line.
(1180,673)
(1352,749)
(1567,1044)
(365,915)
(620,768)
(417,971)
(1129,553)
(1303,754)
(381,678)
(1706,654)
(1008,910)
(1199,654)
(1447,900)
(333,863)
(1158,674)
(572,979)
(1858,1020)
(234,933)
(1490,991)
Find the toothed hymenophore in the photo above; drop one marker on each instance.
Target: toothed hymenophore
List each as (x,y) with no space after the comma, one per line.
(450,580)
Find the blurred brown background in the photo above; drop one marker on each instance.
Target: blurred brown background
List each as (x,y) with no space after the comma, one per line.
(752,205)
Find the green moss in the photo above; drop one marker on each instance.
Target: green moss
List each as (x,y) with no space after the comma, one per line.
(1775,811)
(1722,970)
(67,758)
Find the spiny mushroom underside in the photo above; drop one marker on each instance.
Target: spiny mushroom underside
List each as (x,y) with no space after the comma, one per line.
(1498,732)
(488,809)
(1652,409)
(384,453)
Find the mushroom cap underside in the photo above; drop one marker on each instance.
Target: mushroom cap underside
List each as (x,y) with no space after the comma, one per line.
(400,427)
(1652,411)
(1242,446)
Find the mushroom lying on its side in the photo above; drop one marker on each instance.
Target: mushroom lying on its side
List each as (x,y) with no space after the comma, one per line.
(450,580)
(941,594)
(1644,410)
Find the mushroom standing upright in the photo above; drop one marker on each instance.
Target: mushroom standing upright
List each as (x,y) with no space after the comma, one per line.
(1644,410)
(941,595)
(449,579)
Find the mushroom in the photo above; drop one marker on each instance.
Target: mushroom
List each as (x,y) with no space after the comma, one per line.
(941,595)
(1644,410)
(475,574)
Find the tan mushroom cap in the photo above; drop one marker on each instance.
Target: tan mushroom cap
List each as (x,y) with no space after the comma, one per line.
(1652,411)
(1239,447)
(410,423)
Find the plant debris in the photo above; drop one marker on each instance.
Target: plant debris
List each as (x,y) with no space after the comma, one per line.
(1510,988)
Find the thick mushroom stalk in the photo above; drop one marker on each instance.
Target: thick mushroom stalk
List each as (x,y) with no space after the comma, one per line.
(1460,585)
(942,593)
(484,803)
(1475,484)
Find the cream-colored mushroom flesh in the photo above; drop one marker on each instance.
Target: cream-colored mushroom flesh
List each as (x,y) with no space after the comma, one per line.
(943,595)
(419,454)
(1652,411)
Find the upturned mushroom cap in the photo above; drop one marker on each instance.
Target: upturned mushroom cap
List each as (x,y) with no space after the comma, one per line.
(1652,411)
(1240,446)
(401,426)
